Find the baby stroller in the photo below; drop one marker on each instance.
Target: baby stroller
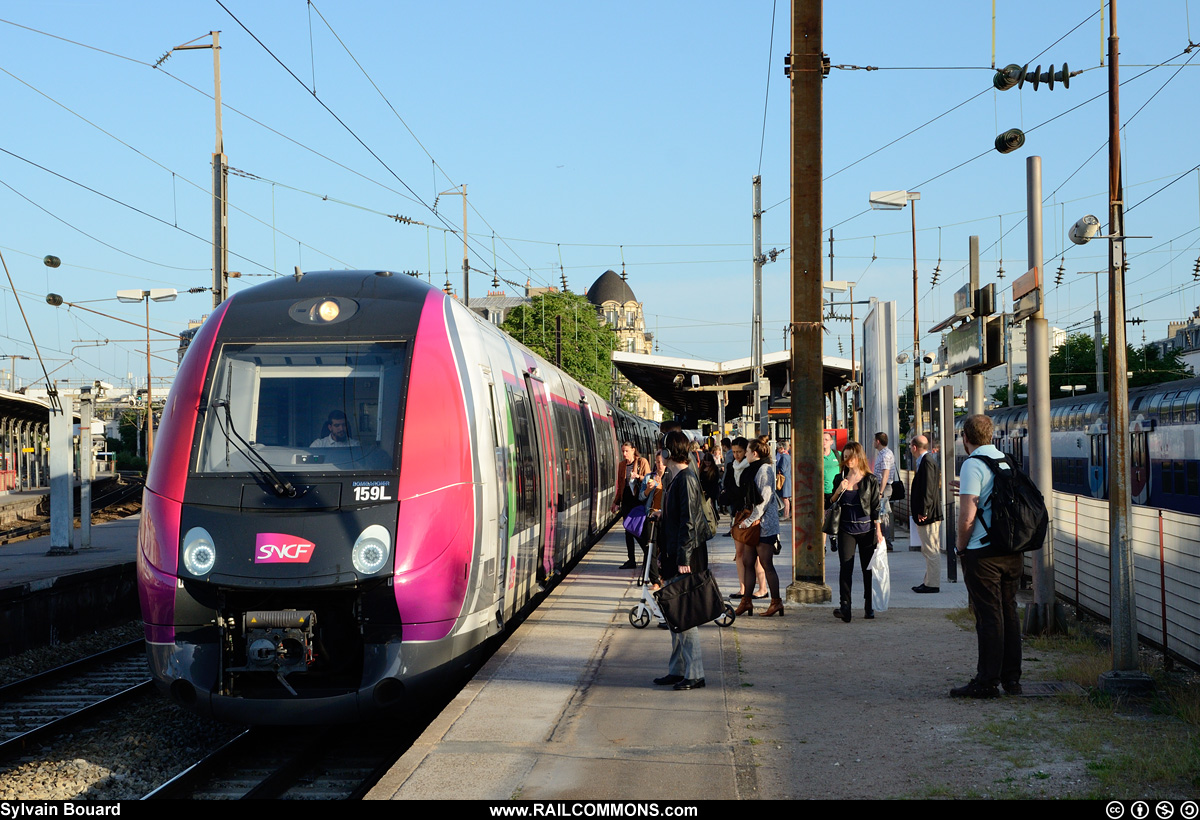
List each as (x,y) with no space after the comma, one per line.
(648,608)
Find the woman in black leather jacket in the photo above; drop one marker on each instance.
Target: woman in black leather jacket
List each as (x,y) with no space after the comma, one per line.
(682,550)
(858,494)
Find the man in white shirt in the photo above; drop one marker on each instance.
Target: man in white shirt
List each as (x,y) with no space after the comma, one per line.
(885,471)
(991,577)
(339,432)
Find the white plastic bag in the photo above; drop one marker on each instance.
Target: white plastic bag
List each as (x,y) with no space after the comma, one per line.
(881,581)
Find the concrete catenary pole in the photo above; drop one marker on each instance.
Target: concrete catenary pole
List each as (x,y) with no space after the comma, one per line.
(86,468)
(1125,675)
(62,499)
(1040,619)
(807,71)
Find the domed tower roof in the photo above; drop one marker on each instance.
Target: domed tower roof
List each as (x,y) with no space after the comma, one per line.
(610,287)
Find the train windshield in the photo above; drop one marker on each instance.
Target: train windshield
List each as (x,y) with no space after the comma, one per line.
(303,407)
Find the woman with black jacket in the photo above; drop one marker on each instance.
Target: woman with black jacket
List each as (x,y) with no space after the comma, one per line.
(858,494)
(682,550)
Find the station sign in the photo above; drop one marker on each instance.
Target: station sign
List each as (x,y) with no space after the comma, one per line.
(1027,283)
(964,301)
(1027,305)
(965,347)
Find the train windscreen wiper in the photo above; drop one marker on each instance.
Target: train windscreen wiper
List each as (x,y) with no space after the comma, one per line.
(280,484)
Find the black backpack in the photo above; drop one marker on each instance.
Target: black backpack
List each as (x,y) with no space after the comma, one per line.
(1019,516)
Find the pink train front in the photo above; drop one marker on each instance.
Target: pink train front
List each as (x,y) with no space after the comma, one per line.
(356,484)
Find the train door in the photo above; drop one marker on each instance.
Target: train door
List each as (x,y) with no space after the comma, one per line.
(1016,447)
(1098,459)
(495,554)
(547,464)
(593,466)
(1139,459)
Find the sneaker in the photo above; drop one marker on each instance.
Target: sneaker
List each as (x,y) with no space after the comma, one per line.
(1012,687)
(975,690)
(628,565)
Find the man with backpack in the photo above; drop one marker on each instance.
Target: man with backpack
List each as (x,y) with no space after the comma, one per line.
(991,570)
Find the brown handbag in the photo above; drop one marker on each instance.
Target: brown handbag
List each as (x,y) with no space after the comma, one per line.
(745,535)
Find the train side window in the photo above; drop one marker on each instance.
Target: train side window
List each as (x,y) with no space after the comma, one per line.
(1193,478)
(1177,407)
(1156,401)
(1191,409)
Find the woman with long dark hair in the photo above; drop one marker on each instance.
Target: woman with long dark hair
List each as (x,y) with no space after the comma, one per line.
(631,472)
(759,483)
(857,491)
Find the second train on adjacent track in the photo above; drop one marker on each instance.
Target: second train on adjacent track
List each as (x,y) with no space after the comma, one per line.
(1164,452)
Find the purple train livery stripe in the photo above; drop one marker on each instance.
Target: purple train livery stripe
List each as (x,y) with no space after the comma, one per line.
(435,530)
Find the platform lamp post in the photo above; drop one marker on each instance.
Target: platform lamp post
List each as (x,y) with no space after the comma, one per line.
(148,296)
(895,201)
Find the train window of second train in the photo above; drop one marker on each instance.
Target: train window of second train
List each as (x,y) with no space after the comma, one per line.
(1193,478)
(1191,410)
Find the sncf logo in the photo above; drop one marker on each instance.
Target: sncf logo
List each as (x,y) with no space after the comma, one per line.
(281,548)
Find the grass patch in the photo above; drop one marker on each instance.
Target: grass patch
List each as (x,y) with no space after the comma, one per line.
(1130,746)
(963,618)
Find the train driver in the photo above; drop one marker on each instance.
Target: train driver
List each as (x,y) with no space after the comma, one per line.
(337,432)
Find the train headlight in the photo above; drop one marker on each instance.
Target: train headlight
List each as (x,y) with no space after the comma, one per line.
(325,311)
(199,552)
(371,550)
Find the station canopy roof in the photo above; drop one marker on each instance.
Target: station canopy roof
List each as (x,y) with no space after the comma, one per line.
(23,408)
(659,376)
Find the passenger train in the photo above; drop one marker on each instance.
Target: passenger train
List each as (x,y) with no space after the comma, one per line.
(1164,454)
(356,484)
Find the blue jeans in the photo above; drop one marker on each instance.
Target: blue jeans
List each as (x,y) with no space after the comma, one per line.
(685,654)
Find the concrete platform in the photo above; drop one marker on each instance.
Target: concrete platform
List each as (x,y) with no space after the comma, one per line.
(45,599)
(567,709)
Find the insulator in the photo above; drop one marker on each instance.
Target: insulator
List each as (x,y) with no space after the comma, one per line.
(1010,140)
(1008,77)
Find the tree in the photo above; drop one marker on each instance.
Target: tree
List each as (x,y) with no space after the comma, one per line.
(905,406)
(1074,363)
(587,345)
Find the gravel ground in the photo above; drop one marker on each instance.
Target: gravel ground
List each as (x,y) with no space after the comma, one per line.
(128,755)
(43,659)
(135,749)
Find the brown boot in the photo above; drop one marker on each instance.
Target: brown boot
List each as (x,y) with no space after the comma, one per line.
(775,607)
(746,606)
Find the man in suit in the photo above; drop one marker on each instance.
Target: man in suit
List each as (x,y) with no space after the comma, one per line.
(925,501)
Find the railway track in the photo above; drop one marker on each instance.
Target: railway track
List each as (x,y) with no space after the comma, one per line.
(44,705)
(120,494)
(294,763)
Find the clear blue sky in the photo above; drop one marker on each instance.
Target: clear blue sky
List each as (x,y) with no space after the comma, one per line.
(584,133)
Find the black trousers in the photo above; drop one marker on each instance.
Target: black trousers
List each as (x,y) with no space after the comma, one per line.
(992,584)
(847,542)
